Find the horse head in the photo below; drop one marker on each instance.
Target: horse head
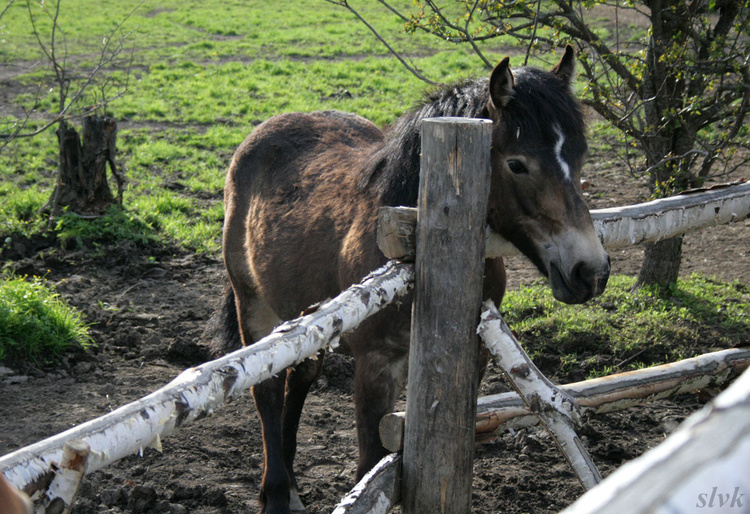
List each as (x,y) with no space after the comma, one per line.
(536,202)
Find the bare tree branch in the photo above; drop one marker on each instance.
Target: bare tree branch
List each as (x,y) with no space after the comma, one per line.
(469,37)
(533,32)
(414,71)
(5,9)
(68,104)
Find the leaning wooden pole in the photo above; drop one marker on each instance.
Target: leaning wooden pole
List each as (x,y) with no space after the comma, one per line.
(557,410)
(441,401)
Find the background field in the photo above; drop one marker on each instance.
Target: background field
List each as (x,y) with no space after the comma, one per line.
(202,75)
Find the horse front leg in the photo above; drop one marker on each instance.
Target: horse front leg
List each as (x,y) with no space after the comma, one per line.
(256,319)
(275,486)
(378,380)
(298,383)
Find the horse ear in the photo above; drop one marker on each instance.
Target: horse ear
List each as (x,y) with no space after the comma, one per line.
(566,68)
(501,84)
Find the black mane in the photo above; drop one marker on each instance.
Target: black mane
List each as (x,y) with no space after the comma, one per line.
(539,100)
(394,168)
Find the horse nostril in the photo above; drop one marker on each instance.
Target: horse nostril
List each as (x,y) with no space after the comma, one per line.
(592,277)
(579,273)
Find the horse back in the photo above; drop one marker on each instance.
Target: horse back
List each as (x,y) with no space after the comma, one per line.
(297,228)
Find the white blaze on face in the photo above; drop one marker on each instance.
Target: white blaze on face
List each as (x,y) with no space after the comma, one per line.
(558,153)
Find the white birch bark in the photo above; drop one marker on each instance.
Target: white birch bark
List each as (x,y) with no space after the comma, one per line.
(616,227)
(558,411)
(64,486)
(198,391)
(377,492)
(669,217)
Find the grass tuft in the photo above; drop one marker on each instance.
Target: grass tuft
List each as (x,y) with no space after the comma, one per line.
(115,225)
(625,329)
(19,210)
(36,325)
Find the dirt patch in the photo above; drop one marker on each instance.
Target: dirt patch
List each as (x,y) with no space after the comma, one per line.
(148,306)
(159,10)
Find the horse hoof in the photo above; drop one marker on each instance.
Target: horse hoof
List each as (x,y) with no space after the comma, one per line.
(295,504)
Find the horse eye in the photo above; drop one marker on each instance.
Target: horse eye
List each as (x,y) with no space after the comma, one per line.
(517,167)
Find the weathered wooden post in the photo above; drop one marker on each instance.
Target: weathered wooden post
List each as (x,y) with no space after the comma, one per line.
(441,404)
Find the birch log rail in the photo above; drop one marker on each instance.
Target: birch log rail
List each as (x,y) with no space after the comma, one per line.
(704,464)
(197,391)
(616,227)
(599,395)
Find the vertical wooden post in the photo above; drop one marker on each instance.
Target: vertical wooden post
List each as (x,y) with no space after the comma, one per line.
(438,454)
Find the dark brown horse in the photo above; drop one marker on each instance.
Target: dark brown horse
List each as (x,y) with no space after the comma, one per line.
(301,201)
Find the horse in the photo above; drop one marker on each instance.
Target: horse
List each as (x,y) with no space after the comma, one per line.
(301,199)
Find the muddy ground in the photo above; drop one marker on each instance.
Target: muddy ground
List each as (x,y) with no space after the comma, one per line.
(148,307)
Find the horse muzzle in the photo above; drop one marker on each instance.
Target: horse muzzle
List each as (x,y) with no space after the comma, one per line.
(580,282)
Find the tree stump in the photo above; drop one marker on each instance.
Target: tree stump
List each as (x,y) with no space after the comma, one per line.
(82,185)
(661,263)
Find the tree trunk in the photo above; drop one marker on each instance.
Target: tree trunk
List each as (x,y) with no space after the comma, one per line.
(661,263)
(661,260)
(82,185)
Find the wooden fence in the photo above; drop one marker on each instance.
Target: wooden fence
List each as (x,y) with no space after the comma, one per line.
(38,469)
(52,469)
(703,466)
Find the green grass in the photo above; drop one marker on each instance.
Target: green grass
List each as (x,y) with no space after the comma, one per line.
(205,73)
(177,30)
(115,225)
(35,324)
(18,210)
(625,329)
